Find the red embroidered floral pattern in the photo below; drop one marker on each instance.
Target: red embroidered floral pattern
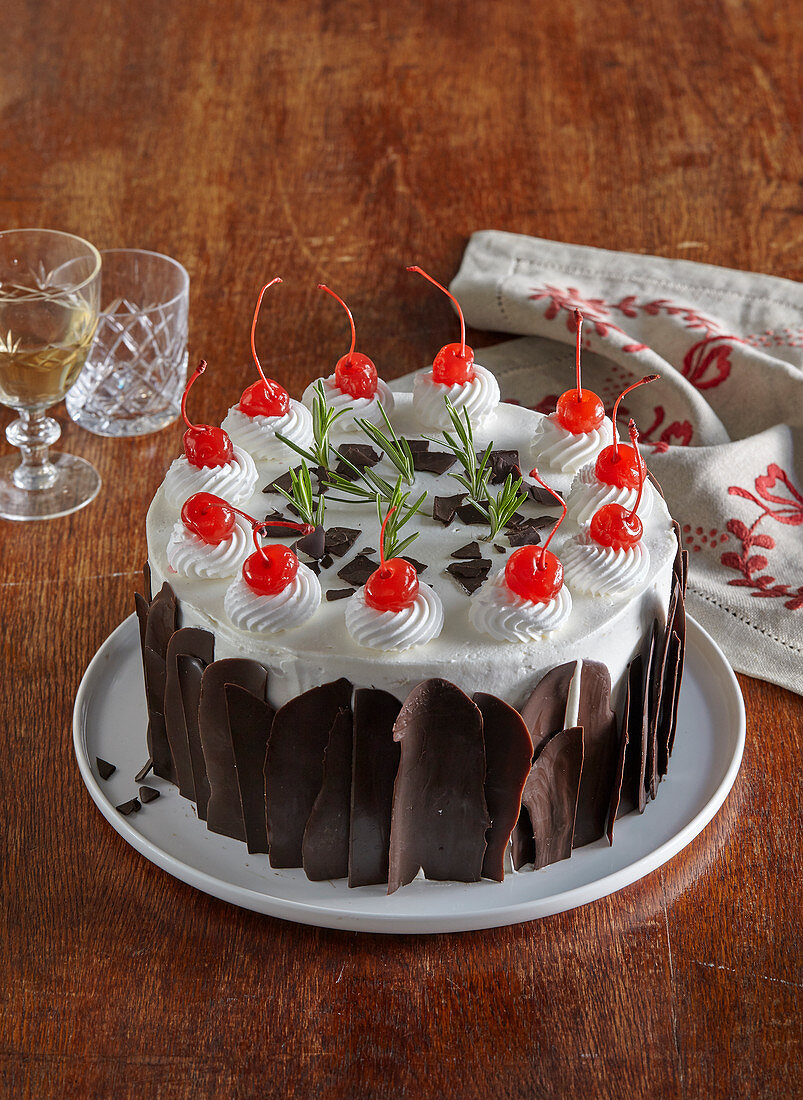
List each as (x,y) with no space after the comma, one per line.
(788,510)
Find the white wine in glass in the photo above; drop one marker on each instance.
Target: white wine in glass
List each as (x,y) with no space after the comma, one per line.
(49,300)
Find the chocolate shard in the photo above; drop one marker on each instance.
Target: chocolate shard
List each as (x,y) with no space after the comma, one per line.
(508,752)
(515,521)
(433,462)
(143,771)
(544,713)
(549,801)
(678,625)
(326,561)
(439,817)
(655,483)
(417,445)
(366,550)
(359,455)
(339,540)
(646,718)
(148,581)
(444,509)
(224,812)
(470,574)
(141,606)
(148,794)
(470,514)
(277,531)
(161,625)
(285,481)
(105,769)
(250,718)
(313,544)
(339,593)
(527,533)
(325,846)
(499,549)
(199,644)
(375,762)
(294,766)
(501,464)
(542,496)
(625,796)
(600,752)
(469,550)
(190,671)
(130,807)
(358,570)
(419,566)
(659,679)
(670,690)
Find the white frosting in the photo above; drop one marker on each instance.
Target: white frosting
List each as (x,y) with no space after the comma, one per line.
(257,434)
(190,556)
(234,481)
(555,448)
(588,495)
(602,570)
(502,613)
(269,614)
(395,630)
(479,397)
(366,408)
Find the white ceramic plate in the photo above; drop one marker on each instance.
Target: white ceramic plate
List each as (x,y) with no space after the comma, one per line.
(110,719)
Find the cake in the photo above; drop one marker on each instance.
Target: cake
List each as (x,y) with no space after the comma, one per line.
(446,709)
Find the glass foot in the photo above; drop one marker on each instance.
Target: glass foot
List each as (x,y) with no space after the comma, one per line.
(75,484)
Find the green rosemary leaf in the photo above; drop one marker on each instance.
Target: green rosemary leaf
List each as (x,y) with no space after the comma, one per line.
(308,455)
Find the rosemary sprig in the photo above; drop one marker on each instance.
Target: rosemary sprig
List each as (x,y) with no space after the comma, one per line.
(476,471)
(397,450)
(374,485)
(323,417)
(396,519)
(502,507)
(302,498)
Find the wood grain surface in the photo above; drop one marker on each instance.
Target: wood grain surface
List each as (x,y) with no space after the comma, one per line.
(337,140)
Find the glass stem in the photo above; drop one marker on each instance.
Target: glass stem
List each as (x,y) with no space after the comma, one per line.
(34,433)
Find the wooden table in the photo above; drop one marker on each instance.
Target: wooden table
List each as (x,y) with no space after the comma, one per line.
(336,141)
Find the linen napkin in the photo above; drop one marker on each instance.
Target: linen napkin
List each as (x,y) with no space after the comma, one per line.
(722,430)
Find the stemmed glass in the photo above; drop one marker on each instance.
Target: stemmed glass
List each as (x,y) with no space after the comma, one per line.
(49,302)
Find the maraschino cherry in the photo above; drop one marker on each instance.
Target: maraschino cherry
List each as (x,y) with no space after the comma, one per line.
(355,373)
(266,397)
(203,444)
(579,410)
(454,363)
(533,572)
(394,585)
(618,464)
(613,525)
(271,568)
(209,517)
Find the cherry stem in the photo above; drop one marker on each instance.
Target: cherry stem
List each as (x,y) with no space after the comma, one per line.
(198,372)
(641,382)
(641,469)
(323,286)
(382,542)
(534,473)
(267,286)
(578,320)
(457,305)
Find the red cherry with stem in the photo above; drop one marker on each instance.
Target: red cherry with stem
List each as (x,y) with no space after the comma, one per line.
(618,464)
(203,444)
(579,410)
(394,585)
(264,398)
(533,572)
(209,517)
(271,568)
(454,363)
(355,373)
(613,525)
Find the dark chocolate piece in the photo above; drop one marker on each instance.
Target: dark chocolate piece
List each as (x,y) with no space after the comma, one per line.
(549,801)
(658,681)
(515,521)
(276,531)
(358,570)
(439,815)
(199,644)
(190,674)
(105,769)
(141,606)
(326,561)
(223,812)
(366,550)
(544,713)
(313,544)
(679,627)
(143,771)
(470,550)
(418,445)
(444,509)
(283,481)
(470,514)
(294,766)
(339,593)
(148,580)
(646,718)
(361,455)
(670,690)
(508,752)
(600,752)
(419,566)
(250,719)
(375,762)
(499,549)
(130,807)
(161,624)
(339,540)
(501,464)
(526,533)
(470,574)
(626,789)
(325,847)
(433,462)
(655,483)
(148,794)
(539,495)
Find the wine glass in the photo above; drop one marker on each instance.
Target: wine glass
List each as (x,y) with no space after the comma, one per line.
(49,301)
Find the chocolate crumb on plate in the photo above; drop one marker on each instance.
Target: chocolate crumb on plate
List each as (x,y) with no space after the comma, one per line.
(445,508)
(148,794)
(470,550)
(143,771)
(339,593)
(105,769)
(130,807)
(358,570)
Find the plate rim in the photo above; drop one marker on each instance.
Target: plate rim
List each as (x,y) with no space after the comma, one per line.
(309,913)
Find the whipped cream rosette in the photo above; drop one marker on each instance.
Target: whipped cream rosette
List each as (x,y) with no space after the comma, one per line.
(193,556)
(503,614)
(258,434)
(561,450)
(418,623)
(588,494)
(604,570)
